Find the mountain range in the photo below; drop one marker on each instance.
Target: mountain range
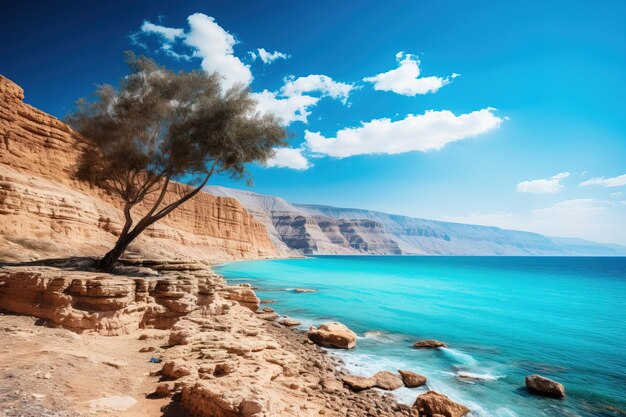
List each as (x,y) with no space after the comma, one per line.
(318,229)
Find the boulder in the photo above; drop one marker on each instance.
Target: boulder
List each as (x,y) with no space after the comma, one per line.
(333,335)
(432,404)
(545,386)
(359,383)
(388,381)
(428,343)
(175,369)
(412,379)
(289,322)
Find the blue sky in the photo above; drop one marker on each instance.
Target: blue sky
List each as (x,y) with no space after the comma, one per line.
(516,105)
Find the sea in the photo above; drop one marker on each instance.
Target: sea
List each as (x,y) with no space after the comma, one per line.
(502,318)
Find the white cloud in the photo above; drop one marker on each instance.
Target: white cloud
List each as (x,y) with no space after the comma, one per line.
(597,220)
(289,109)
(169,34)
(215,47)
(209,42)
(267,57)
(406,78)
(288,158)
(317,83)
(291,103)
(429,131)
(543,186)
(606,182)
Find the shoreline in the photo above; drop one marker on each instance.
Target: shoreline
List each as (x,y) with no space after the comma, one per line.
(217,357)
(468,370)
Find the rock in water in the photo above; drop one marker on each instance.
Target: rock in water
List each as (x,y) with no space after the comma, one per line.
(412,379)
(432,404)
(545,386)
(333,335)
(430,343)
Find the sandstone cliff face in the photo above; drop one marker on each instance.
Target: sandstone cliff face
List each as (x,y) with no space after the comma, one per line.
(44,212)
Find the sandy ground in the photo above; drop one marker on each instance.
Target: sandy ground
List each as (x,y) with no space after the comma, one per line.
(44,369)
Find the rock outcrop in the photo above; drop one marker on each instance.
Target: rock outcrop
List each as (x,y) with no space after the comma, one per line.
(110,304)
(428,344)
(544,386)
(333,335)
(412,379)
(385,380)
(217,357)
(45,213)
(433,404)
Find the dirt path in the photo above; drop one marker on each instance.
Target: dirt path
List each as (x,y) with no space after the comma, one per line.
(55,372)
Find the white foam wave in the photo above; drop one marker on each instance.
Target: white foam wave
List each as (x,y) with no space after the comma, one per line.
(478,376)
(459,357)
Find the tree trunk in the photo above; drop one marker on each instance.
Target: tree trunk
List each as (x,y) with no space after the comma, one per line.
(107,263)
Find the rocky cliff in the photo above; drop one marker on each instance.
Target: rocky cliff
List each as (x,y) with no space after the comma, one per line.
(316,229)
(44,212)
(295,230)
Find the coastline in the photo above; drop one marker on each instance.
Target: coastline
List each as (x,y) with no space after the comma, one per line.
(487,361)
(218,358)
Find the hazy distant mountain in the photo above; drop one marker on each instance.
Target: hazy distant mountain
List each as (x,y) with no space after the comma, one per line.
(317,229)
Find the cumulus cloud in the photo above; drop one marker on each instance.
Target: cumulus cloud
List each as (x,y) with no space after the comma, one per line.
(208,41)
(606,182)
(406,78)
(214,46)
(293,102)
(317,83)
(267,57)
(289,109)
(543,186)
(429,131)
(288,158)
(598,220)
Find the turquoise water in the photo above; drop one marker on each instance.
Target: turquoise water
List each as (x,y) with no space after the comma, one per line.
(503,318)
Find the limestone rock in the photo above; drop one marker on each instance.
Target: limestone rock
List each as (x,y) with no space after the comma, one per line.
(244,295)
(412,379)
(387,380)
(333,335)
(431,404)
(289,322)
(545,386)
(176,369)
(332,385)
(429,343)
(358,383)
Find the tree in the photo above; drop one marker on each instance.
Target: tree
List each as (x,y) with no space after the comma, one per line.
(159,127)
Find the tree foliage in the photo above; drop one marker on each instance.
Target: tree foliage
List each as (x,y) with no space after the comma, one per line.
(160,126)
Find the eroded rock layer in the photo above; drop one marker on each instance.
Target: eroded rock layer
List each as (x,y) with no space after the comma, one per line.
(221,356)
(44,212)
